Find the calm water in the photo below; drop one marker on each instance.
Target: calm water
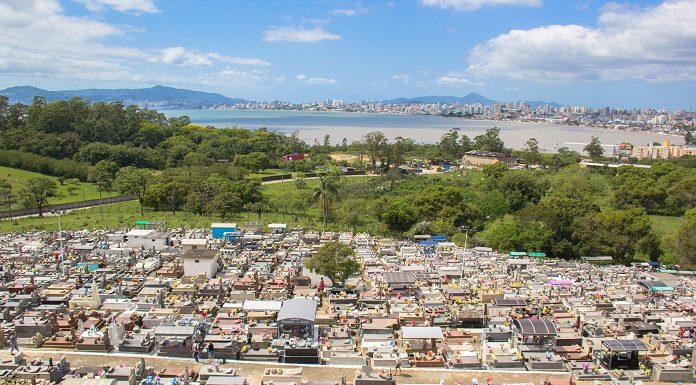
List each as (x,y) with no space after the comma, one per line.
(422,128)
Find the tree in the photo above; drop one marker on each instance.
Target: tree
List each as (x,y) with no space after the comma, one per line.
(563,158)
(690,138)
(684,192)
(623,234)
(300,183)
(6,191)
(684,242)
(399,216)
(103,174)
(521,188)
(489,141)
(375,143)
(515,236)
(196,159)
(531,151)
(259,207)
(226,203)
(398,150)
(255,161)
(155,196)
(449,145)
(324,192)
(335,260)
(36,191)
(177,192)
(133,180)
(594,149)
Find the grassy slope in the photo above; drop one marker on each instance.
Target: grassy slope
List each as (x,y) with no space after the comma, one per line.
(18,177)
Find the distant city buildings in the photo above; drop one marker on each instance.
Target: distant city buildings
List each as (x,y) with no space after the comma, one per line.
(665,151)
(639,120)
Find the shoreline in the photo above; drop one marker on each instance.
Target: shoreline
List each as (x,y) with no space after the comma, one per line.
(313,125)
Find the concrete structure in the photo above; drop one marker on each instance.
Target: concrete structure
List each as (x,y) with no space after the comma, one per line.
(482,158)
(193,244)
(219,229)
(197,262)
(147,239)
(666,151)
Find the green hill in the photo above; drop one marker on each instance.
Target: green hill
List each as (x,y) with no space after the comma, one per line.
(69,191)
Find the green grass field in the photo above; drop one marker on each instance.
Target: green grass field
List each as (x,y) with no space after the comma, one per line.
(82,190)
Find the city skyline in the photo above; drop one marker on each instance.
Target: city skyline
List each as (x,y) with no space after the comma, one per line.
(640,54)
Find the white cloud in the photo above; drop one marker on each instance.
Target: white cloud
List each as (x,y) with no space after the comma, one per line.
(512,89)
(38,38)
(40,41)
(183,57)
(137,6)
(233,76)
(301,78)
(470,5)
(298,34)
(321,81)
(655,44)
(455,79)
(250,61)
(349,12)
(403,78)
(180,56)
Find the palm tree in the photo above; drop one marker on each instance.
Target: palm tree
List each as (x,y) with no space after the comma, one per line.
(323,192)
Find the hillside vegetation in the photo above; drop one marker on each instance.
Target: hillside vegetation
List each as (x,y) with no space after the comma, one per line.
(192,175)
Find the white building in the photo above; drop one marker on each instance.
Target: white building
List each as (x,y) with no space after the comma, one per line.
(201,261)
(193,244)
(147,239)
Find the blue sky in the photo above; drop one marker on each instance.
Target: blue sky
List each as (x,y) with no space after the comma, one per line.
(577,52)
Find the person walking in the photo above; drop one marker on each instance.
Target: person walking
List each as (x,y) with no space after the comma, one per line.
(13,343)
(398,364)
(321,286)
(211,353)
(196,349)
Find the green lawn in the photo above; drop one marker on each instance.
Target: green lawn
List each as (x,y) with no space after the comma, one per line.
(82,191)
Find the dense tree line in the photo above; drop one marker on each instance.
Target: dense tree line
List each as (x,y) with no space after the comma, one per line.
(664,189)
(214,194)
(130,136)
(66,168)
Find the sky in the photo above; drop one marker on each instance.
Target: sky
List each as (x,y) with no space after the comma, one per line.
(638,53)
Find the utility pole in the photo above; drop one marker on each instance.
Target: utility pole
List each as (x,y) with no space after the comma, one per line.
(60,234)
(466,239)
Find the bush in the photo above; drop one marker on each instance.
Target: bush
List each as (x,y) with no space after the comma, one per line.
(66,168)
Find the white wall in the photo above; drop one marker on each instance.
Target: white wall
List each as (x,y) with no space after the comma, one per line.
(203,266)
(136,242)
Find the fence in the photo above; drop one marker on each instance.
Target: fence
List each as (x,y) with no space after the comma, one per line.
(272,178)
(66,206)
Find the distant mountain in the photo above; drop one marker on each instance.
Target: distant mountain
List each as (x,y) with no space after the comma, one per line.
(471,98)
(157,96)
